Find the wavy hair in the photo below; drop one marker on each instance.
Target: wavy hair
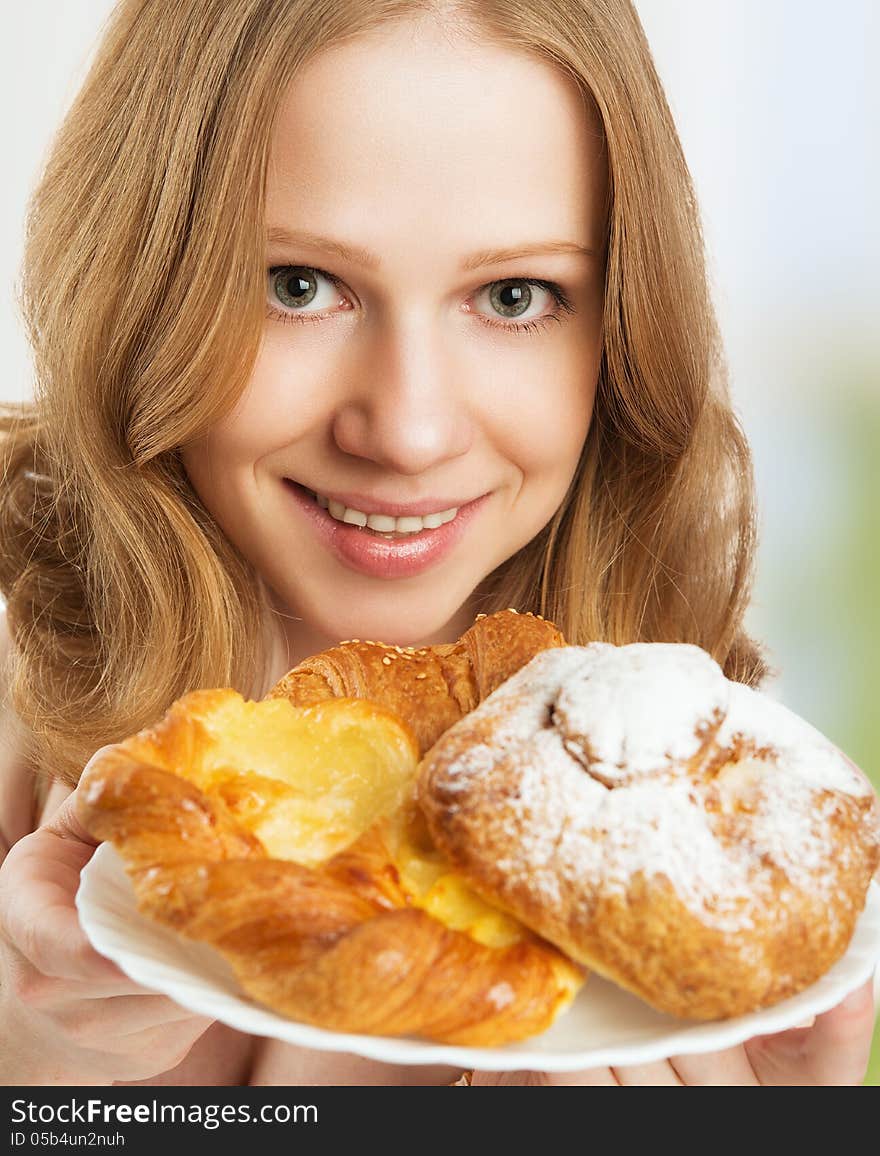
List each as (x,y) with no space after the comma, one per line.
(143,291)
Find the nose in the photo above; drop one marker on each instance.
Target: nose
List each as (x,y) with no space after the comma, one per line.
(404,408)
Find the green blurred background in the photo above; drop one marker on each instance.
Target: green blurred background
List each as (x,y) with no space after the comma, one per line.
(778,107)
(816,603)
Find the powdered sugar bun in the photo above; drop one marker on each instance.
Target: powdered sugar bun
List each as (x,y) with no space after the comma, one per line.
(613,685)
(684,835)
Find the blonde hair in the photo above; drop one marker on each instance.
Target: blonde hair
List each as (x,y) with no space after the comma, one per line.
(143,290)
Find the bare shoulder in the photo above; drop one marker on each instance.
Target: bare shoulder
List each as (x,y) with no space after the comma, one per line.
(16,776)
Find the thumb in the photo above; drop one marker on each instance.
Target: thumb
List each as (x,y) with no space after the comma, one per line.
(66,822)
(833,1051)
(841,1037)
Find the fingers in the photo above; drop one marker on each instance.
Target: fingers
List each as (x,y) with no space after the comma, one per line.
(65,822)
(41,923)
(586,1078)
(38,882)
(730,1067)
(656,1075)
(594,1077)
(662,1075)
(43,993)
(727,1068)
(659,1075)
(85,1021)
(834,1051)
(139,1055)
(79,1014)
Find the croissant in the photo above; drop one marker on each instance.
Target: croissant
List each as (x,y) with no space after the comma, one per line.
(430,687)
(288,838)
(679,833)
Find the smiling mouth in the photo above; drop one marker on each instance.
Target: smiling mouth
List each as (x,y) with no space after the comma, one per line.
(355,520)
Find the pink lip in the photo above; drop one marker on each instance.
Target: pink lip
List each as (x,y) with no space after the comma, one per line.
(383,557)
(393,509)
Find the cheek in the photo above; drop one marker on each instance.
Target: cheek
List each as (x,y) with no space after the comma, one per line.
(548,405)
(281,403)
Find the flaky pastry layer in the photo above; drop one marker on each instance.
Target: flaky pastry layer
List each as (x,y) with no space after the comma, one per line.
(678,833)
(286,836)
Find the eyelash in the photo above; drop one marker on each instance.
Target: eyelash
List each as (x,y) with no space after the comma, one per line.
(536,325)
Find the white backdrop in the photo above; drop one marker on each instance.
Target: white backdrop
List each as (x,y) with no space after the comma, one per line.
(777,106)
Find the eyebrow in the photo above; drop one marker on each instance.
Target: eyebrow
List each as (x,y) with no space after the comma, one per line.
(356,255)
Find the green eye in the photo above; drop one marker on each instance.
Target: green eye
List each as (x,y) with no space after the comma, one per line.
(511,298)
(294,285)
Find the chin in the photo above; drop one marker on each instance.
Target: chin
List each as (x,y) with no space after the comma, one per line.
(392,620)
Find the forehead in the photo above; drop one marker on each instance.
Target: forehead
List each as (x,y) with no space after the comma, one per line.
(405,136)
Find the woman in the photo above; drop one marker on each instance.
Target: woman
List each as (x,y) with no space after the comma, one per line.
(293,273)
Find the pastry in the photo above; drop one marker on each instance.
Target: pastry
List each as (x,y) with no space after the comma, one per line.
(681,834)
(287,837)
(429,687)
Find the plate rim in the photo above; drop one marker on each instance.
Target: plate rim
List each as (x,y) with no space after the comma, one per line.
(688,1039)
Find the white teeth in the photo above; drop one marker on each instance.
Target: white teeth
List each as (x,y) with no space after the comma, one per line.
(384,523)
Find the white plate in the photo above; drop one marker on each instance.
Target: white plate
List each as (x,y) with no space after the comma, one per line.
(605,1025)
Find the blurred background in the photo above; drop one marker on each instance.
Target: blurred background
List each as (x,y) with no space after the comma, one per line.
(778,110)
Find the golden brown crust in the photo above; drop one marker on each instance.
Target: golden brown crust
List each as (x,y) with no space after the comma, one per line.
(343,942)
(335,946)
(432,687)
(318,952)
(712,868)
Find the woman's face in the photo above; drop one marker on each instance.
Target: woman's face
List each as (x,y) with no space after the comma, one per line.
(426,198)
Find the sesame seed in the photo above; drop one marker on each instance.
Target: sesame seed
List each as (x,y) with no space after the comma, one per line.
(421,676)
(386,661)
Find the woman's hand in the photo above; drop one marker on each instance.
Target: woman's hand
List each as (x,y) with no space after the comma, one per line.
(833,1050)
(68,1015)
